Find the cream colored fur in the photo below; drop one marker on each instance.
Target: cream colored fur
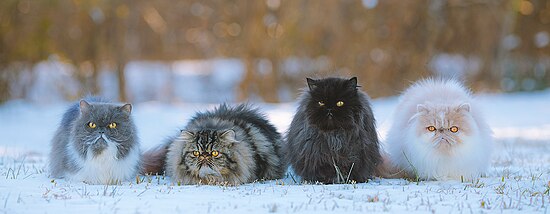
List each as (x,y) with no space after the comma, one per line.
(441,154)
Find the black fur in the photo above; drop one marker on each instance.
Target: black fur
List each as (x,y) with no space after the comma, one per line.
(325,137)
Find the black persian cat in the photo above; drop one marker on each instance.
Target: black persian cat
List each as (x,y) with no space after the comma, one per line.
(332,138)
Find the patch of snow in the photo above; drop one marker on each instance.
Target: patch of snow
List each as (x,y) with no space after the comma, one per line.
(518,180)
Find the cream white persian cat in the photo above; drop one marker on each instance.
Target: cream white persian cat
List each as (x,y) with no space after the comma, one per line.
(438,133)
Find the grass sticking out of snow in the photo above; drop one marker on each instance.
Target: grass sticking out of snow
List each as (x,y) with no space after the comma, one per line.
(518,181)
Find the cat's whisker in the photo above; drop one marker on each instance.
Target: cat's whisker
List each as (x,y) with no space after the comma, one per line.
(452,142)
(215,133)
(215,168)
(426,110)
(212,166)
(91,140)
(117,140)
(333,122)
(87,158)
(198,165)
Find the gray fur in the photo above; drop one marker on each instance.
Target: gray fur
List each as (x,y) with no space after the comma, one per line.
(248,144)
(75,142)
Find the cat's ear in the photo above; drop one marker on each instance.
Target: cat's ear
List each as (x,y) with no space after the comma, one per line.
(229,135)
(311,83)
(353,82)
(464,107)
(422,109)
(84,107)
(187,135)
(126,108)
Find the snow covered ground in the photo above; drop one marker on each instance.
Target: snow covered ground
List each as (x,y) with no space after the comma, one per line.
(518,181)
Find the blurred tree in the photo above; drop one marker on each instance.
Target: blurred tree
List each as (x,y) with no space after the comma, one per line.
(76,34)
(387,44)
(473,29)
(531,55)
(22,41)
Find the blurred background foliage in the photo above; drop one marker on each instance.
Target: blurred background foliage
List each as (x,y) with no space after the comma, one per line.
(494,45)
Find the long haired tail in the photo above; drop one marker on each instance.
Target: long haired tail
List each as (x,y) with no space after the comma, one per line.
(154,160)
(386,169)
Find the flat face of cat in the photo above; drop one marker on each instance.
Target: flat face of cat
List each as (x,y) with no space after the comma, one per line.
(207,154)
(333,103)
(444,126)
(100,124)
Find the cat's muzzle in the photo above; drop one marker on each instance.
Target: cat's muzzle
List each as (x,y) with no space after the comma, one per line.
(443,143)
(329,114)
(99,146)
(207,171)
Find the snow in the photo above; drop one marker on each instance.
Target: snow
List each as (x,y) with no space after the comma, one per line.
(518,180)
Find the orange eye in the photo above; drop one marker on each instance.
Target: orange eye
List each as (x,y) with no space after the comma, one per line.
(92,125)
(454,129)
(112,125)
(215,153)
(321,103)
(196,153)
(431,128)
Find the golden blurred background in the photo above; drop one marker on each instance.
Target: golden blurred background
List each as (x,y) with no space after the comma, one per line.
(494,45)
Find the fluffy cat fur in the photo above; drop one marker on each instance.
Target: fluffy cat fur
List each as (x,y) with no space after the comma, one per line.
(247,147)
(333,134)
(88,147)
(422,142)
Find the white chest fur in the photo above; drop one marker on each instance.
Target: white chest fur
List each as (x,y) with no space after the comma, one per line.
(104,168)
(468,160)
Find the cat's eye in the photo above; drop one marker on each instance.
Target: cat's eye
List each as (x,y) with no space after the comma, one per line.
(454,129)
(215,153)
(196,153)
(321,103)
(112,125)
(431,128)
(92,125)
(340,103)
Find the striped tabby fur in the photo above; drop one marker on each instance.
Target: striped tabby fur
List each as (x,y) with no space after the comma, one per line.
(248,148)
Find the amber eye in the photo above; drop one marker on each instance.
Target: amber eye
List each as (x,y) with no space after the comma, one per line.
(215,153)
(196,153)
(321,103)
(431,128)
(112,125)
(340,104)
(454,129)
(91,125)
